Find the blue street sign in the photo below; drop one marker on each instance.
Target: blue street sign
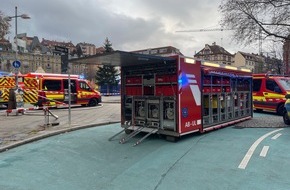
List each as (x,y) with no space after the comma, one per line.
(16,64)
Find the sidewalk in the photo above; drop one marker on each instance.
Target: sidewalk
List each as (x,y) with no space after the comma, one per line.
(21,129)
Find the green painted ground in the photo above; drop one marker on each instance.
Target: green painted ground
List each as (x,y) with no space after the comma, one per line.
(86,160)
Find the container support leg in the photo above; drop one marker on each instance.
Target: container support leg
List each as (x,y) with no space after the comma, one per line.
(134,133)
(147,135)
(112,137)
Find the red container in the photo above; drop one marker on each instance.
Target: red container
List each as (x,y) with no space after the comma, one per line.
(133,80)
(133,90)
(206,90)
(165,78)
(165,90)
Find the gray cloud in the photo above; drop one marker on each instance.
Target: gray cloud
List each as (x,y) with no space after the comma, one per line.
(129,25)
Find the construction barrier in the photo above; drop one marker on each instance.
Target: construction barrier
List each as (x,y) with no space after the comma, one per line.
(12,103)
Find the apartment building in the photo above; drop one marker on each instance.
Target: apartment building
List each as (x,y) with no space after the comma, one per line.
(250,61)
(87,48)
(258,63)
(32,54)
(52,43)
(215,53)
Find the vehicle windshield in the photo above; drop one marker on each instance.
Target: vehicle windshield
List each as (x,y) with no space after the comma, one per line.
(285,83)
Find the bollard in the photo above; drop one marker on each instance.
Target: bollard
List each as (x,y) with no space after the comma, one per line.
(47,113)
(46,117)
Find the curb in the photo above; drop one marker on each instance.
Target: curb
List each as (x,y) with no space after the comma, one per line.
(52,133)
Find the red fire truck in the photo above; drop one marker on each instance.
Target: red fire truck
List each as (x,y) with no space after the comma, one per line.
(177,95)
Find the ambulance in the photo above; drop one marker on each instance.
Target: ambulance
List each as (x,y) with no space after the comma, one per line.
(269,92)
(48,89)
(177,95)
(53,89)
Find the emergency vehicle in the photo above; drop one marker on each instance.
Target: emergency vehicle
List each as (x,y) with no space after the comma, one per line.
(52,89)
(7,82)
(177,95)
(269,92)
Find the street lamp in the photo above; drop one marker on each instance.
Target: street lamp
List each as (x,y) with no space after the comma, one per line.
(9,18)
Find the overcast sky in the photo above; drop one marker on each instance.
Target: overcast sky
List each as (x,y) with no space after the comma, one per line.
(129,24)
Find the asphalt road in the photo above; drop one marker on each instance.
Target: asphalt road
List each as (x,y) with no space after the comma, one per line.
(86,160)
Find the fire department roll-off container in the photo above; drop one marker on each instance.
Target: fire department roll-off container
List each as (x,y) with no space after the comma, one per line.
(177,95)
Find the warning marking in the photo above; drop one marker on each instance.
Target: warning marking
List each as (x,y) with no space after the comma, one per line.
(276,136)
(252,149)
(264,151)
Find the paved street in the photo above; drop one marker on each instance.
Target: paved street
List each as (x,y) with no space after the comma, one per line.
(16,130)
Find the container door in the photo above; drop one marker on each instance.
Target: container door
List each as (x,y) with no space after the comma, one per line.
(189,98)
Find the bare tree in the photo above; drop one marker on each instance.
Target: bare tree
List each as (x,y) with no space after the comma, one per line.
(254,19)
(4,26)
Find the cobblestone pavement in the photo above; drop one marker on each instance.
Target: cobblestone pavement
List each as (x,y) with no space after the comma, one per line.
(263,120)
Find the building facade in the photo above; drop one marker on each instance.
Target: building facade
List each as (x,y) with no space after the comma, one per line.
(52,43)
(215,53)
(87,48)
(258,63)
(32,55)
(249,61)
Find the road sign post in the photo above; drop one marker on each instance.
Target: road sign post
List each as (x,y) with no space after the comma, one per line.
(64,50)
(16,64)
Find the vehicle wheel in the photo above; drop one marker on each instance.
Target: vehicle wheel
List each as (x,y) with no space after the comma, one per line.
(258,110)
(281,109)
(286,118)
(93,102)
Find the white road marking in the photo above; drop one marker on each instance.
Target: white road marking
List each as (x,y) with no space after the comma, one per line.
(264,151)
(276,136)
(252,149)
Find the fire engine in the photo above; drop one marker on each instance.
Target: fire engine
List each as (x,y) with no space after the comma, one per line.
(177,95)
(51,89)
(269,92)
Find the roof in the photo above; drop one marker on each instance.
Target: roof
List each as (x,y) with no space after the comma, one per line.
(159,51)
(214,49)
(251,56)
(56,43)
(120,58)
